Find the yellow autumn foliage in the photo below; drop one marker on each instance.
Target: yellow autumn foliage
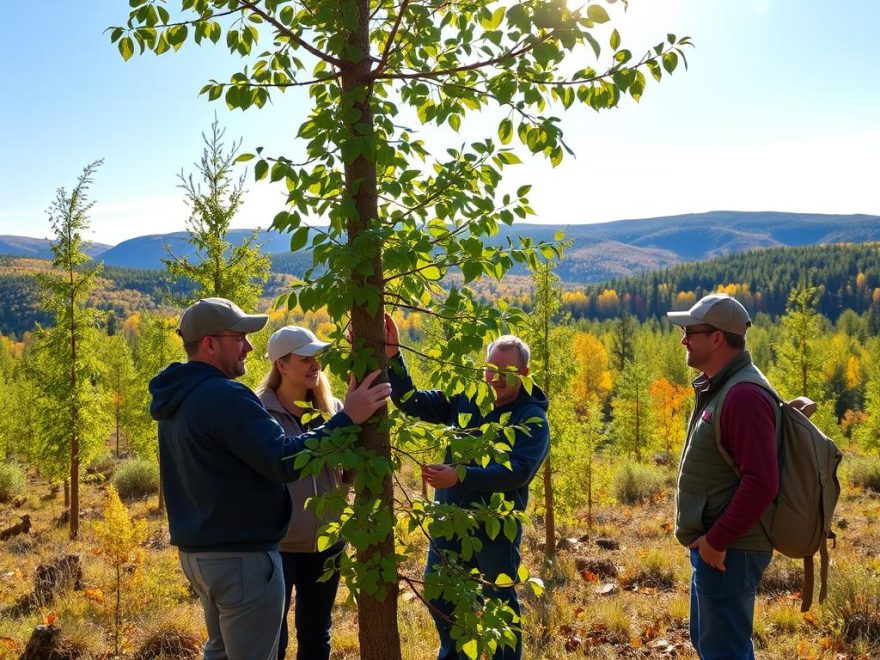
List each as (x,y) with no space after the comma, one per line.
(118,535)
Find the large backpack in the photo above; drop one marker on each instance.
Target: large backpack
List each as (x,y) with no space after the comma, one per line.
(798,522)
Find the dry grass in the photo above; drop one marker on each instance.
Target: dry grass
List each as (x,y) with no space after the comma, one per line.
(587,611)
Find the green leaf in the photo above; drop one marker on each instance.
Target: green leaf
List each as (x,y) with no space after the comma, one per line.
(493,527)
(503,580)
(299,239)
(469,648)
(597,14)
(615,39)
(126,48)
(505,131)
(260,170)
(597,49)
(432,273)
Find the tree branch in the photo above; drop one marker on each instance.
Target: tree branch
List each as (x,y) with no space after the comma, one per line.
(283,29)
(460,69)
(390,41)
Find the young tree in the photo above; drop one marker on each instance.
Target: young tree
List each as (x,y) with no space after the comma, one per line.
(219,268)
(401,217)
(799,356)
(122,384)
(120,540)
(632,421)
(624,341)
(592,380)
(66,356)
(156,345)
(553,361)
(670,403)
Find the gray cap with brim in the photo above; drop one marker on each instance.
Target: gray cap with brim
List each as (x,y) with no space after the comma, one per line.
(718,310)
(214,316)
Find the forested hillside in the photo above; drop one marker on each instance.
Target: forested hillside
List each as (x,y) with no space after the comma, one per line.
(847,276)
(598,251)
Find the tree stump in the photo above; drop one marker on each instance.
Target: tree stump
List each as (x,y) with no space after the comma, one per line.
(57,576)
(22,527)
(45,644)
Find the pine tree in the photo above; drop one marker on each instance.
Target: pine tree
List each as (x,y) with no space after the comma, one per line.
(799,354)
(631,424)
(72,411)
(623,342)
(156,346)
(121,384)
(219,268)
(551,360)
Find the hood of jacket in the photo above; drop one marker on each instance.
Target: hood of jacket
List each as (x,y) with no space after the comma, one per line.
(176,382)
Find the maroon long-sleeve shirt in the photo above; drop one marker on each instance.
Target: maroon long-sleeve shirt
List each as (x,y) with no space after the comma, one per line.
(748,433)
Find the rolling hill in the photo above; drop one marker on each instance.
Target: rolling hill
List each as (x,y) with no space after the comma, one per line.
(598,251)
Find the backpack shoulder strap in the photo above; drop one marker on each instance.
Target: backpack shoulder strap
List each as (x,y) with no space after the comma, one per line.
(720,398)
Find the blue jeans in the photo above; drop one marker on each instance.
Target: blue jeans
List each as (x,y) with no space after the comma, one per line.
(498,556)
(723,604)
(314,602)
(242,594)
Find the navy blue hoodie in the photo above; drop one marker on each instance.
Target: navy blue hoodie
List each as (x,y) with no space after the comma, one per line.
(526,455)
(222,460)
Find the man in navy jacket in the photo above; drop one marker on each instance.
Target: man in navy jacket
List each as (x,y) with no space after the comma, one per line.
(223,461)
(498,555)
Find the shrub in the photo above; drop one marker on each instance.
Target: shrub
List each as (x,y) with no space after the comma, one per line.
(865,473)
(103,465)
(136,477)
(853,605)
(784,575)
(12,480)
(635,483)
(171,641)
(652,568)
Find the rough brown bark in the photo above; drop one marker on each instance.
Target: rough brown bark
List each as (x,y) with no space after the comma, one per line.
(74,414)
(549,512)
(377,619)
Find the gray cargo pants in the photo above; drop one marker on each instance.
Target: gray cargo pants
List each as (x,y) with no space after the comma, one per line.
(242,595)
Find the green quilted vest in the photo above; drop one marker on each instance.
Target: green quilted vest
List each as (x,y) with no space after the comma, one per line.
(706,483)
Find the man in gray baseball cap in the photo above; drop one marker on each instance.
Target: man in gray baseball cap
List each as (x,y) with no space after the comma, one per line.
(223,462)
(718,507)
(718,310)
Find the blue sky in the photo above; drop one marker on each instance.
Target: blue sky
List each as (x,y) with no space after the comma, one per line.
(780,110)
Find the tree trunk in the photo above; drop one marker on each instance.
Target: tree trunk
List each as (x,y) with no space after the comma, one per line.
(74,488)
(549,513)
(590,492)
(74,421)
(377,617)
(117,428)
(161,494)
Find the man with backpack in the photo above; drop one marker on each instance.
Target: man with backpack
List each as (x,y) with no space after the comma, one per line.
(719,503)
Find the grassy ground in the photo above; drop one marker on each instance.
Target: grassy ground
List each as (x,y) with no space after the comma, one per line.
(630,602)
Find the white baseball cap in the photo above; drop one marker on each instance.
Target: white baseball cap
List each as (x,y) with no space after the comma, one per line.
(296,340)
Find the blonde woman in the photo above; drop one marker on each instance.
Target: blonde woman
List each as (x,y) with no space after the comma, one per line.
(296,376)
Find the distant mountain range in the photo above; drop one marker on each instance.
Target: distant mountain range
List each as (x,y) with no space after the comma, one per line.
(40,248)
(598,251)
